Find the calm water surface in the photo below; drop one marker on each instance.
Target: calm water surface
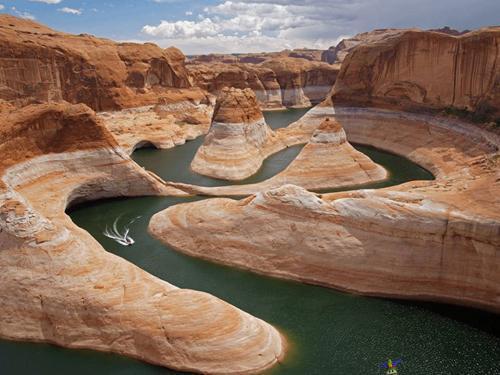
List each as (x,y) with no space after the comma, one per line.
(330,332)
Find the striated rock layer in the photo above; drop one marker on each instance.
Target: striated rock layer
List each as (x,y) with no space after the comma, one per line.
(38,64)
(434,240)
(162,125)
(337,54)
(277,82)
(256,58)
(214,77)
(423,69)
(235,145)
(327,161)
(59,285)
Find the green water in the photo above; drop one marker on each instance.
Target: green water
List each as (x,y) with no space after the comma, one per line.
(174,164)
(330,332)
(280,119)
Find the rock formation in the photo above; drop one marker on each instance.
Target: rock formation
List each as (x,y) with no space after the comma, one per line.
(422,69)
(257,58)
(216,76)
(58,285)
(436,240)
(162,126)
(278,82)
(448,30)
(337,54)
(302,82)
(327,161)
(38,64)
(238,139)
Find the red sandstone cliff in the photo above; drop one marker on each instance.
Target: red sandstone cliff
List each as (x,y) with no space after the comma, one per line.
(416,69)
(38,64)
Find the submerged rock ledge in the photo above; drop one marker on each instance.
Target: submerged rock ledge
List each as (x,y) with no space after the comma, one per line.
(59,285)
(432,240)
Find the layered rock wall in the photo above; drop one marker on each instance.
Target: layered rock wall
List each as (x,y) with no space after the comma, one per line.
(278,82)
(327,161)
(38,64)
(422,69)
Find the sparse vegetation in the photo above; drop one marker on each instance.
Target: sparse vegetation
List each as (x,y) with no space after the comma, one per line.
(483,113)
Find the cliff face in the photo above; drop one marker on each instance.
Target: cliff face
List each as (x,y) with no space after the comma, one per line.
(38,64)
(235,145)
(277,82)
(425,69)
(60,286)
(302,82)
(216,76)
(337,54)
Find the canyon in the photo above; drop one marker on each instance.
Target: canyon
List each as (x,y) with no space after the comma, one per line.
(360,244)
(74,107)
(60,286)
(433,240)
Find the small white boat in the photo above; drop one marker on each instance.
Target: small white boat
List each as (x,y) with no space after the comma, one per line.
(122,237)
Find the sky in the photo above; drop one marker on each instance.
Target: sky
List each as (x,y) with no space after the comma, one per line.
(220,26)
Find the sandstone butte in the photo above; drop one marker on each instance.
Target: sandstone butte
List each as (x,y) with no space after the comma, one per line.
(432,240)
(59,285)
(238,140)
(278,82)
(327,161)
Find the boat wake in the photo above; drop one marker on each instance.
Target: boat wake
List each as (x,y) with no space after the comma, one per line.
(122,237)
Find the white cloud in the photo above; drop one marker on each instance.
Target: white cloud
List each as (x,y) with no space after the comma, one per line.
(2,6)
(25,15)
(239,27)
(189,13)
(264,25)
(70,10)
(46,1)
